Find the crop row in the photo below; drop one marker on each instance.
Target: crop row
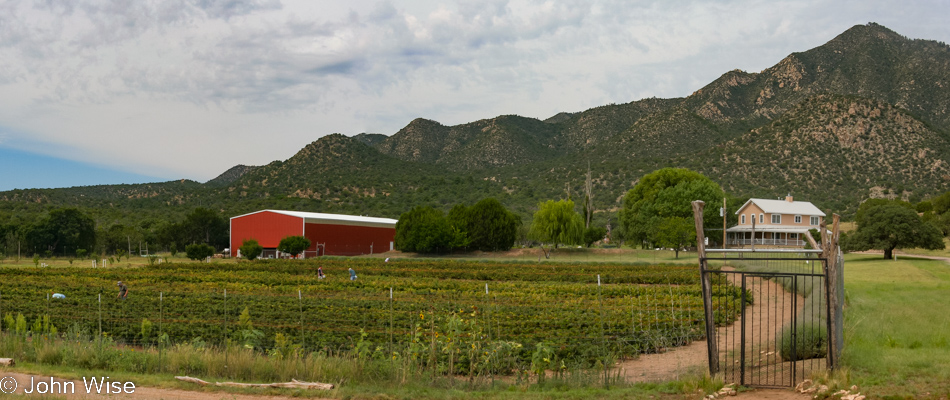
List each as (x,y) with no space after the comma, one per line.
(187,301)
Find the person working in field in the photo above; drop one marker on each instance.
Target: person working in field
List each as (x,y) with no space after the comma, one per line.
(352,274)
(320,274)
(123,291)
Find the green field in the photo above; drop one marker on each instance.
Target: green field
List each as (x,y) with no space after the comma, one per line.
(638,308)
(897,329)
(897,332)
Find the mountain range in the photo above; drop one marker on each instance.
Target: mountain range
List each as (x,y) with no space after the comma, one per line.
(865,115)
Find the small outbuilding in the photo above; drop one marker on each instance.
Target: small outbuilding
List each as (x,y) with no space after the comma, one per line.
(329,234)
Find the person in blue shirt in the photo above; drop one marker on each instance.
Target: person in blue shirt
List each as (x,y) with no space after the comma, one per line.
(352,274)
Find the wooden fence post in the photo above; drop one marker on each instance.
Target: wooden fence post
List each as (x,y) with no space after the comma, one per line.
(834,331)
(711,345)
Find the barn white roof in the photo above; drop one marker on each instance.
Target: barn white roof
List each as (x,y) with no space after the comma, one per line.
(321,218)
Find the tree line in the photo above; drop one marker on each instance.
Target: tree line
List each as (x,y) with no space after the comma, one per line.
(656,212)
(72,232)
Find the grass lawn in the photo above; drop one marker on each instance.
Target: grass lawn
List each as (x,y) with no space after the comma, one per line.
(898,326)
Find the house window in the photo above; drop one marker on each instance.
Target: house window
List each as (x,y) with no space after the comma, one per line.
(761,218)
(776,218)
(743,218)
(793,236)
(798,219)
(814,221)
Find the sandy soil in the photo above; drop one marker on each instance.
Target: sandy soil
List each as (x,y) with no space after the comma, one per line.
(141,393)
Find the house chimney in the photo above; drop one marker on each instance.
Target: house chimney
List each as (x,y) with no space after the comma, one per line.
(788,198)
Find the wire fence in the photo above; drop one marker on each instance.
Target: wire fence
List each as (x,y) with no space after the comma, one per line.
(582,324)
(582,314)
(782,336)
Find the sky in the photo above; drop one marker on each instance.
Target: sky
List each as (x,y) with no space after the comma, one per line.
(133,91)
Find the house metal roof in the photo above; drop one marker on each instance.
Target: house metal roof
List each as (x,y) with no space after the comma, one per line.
(784,207)
(321,218)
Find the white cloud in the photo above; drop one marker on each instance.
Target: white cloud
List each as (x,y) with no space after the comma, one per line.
(202,85)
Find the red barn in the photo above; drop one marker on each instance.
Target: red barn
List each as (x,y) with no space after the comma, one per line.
(329,234)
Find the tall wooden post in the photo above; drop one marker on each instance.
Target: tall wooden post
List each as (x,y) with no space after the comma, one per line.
(753,233)
(724,223)
(711,345)
(834,306)
(824,239)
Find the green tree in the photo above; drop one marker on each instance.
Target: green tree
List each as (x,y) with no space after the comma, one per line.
(65,229)
(593,234)
(205,226)
(871,203)
(667,193)
(118,237)
(424,230)
(676,233)
(250,249)
(459,218)
(890,226)
(942,222)
(293,245)
(199,251)
(486,226)
(556,222)
(941,204)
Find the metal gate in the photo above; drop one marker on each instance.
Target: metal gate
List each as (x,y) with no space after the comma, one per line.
(769,308)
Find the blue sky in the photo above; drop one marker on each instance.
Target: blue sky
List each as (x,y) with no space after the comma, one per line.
(28,170)
(96,92)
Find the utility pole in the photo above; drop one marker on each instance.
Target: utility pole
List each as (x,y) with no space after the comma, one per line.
(724,223)
(588,199)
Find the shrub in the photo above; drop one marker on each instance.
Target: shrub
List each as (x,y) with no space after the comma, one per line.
(199,251)
(146,331)
(811,341)
(250,249)
(293,245)
(8,322)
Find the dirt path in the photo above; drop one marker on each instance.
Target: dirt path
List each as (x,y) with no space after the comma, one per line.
(78,390)
(769,296)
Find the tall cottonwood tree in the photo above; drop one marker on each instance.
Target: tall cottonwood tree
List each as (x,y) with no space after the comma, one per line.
(666,193)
